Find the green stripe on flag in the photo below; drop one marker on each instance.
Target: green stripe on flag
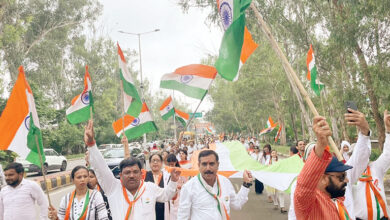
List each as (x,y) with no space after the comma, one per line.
(81,115)
(140,130)
(313,81)
(181,120)
(240,158)
(34,133)
(129,88)
(228,61)
(168,114)
(193,92)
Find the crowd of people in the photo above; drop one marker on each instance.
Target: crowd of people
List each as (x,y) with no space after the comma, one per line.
(326,188)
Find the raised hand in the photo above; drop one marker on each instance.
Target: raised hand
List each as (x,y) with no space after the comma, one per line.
(359,119)
(89,134)
(386,119)
(175,174)
(322,130)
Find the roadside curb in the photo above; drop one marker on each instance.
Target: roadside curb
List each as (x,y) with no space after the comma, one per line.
(54,182)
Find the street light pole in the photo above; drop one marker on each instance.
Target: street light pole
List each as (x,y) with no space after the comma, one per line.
(140,61)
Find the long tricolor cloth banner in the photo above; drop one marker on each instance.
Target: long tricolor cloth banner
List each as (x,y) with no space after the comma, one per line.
(132,100)
(182,117)
(135,126)
(166,109)
(312,72)
(19,123)
(80,110)
(237,43)
(234,159)
(192,80)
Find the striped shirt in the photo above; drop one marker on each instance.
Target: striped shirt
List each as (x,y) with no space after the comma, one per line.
(311,203)
(96,207)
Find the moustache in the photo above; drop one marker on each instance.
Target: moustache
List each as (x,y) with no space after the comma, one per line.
(208,172)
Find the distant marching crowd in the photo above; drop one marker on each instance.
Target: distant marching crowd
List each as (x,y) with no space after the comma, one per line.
(326,188)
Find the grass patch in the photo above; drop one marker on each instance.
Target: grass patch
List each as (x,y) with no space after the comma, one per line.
(75,156)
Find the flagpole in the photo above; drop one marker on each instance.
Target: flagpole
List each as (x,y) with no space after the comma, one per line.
(291,71)
(90,112)
(125,147)
(174,113)
(42,170)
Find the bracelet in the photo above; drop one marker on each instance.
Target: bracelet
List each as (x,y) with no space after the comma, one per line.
(247,185)
(90,144)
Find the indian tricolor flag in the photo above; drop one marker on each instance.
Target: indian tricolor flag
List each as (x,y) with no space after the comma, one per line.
(166,109)
(19,123)
(192,80)
(270,126)
(234,159)
(80,110)
(278,134)
(315,83)
(135,126)
(237,43)
(132,100)
(182,117)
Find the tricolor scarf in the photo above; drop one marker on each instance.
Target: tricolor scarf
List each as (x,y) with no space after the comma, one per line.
(217,197)
(137,195)
(380,203)
(83,214)
(343,213)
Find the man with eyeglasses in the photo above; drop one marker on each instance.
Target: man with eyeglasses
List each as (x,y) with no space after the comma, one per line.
(321,184)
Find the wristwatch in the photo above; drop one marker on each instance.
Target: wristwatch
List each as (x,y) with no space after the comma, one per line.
(247,185)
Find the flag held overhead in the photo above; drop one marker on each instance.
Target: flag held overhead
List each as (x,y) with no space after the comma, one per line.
(192,80)
(312,72)
(167,110)
(19,123)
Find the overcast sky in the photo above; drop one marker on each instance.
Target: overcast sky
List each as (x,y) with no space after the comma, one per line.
(184,38)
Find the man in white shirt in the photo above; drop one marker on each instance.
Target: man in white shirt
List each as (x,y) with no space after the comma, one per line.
(369,207)
(17,199)
(208,195)
(191,149)
(130,197)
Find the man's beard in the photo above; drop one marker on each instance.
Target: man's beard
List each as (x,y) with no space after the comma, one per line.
(12,183)
(335,191)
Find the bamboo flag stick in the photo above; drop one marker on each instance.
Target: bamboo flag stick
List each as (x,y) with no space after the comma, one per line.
(174,113)
(290,71)
(91,112)
(125,146)
(42,169)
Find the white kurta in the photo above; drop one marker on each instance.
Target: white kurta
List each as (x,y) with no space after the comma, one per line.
(144,208)
(358,161)
(197,204)
(378,170)
(19,203)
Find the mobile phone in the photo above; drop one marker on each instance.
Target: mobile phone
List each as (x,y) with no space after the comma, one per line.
(351,105)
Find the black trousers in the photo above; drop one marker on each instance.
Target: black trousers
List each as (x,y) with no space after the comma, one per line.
(259,187)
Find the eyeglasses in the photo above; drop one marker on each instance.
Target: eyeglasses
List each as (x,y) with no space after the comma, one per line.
(341,177)
(156,161)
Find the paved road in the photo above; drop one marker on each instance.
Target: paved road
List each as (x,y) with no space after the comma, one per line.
(256,208)
(71,164)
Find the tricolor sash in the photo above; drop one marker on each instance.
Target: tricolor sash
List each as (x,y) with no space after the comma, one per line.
(137,195)
(343,213)
(83,214)
(380,203)
(217,197)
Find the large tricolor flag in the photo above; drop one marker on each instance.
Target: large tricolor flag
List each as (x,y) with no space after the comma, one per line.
(19,123)
(80,110)
(315,83)
(166,109)
(237,43)
(270,126)
(234,159)
(182,117)
(192,80)
(135,126)
(132,100)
